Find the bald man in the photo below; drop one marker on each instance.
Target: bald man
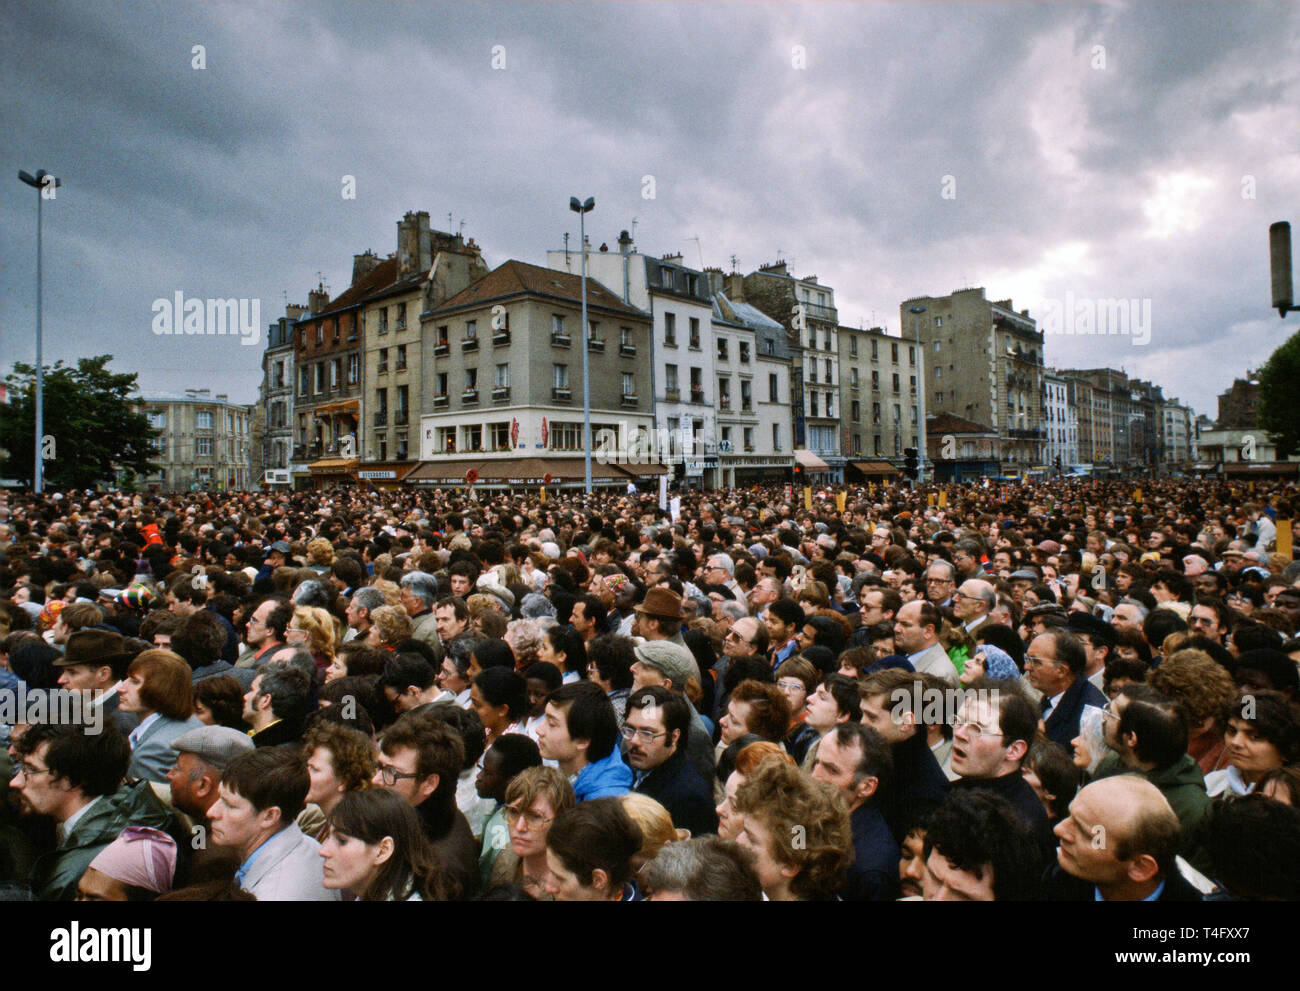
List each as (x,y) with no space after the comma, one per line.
(1118,844)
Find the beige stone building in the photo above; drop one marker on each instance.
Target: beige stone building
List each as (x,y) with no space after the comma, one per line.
(206,442)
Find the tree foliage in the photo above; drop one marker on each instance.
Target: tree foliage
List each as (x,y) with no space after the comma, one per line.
(1279,412)
(93,427)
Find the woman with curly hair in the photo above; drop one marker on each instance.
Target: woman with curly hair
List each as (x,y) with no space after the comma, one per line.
(798,830)
(389,626)
(525,638)
(219,701)
(339,760)
(1205,689)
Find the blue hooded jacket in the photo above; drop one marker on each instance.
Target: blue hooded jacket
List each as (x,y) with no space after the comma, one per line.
(608,777)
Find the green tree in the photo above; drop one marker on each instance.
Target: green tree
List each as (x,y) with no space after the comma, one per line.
(92,428)
(1279,413)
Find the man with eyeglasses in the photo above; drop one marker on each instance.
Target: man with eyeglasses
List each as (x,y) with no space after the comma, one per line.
(420,758)
(655,732)
(1055,662)
(1210,618)
(995,726)
(265,631)
(939,582)
(972,603)
(767,591)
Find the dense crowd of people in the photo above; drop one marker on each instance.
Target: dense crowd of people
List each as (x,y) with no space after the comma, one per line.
(1061,690)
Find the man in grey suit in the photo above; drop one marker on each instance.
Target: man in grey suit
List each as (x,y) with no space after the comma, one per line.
(157,688)
(916,634)
(260,795)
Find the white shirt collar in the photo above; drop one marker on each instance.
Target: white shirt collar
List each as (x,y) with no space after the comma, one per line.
(145,723)
(67,826)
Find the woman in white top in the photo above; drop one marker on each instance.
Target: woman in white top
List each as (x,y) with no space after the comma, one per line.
(376,850)
(1262,735)
(500,697)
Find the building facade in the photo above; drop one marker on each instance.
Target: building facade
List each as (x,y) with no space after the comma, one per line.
(984,363)
(878,394)
(277,396)
(506,398)
(206,442)
(684,380)
(1062,421)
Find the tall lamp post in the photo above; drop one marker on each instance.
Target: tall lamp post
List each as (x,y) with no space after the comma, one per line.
(916,312)
(39,182)
(582,209)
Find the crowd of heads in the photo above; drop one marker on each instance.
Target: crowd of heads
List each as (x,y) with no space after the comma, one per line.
(874,693)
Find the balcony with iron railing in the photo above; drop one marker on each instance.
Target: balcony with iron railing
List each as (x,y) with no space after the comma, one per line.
(596,344)
(442,349)
(629,399)
(626,349)
(560,340)
(672,395)
(697,395)
(559,395)
(440,402)
(501,393)
(469,344)
(381,418)
(501,337)
(469,397)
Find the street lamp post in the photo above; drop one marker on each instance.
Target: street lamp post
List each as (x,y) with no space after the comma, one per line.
(582,209)
(916,312)
(39,182)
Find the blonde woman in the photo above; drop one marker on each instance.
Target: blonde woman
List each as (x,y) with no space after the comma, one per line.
(657,829)
(320,555)
(315,629)
(391,591)
(390,625)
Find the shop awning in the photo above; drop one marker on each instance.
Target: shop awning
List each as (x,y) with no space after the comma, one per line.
(875,467)
(514,471)
(645,470)
(810,461)
(333,466)
(341,406)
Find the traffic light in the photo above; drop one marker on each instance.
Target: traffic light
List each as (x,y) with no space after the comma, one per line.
(911,466)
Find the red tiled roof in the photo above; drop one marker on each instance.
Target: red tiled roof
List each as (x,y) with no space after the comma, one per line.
(950,423)
(514,277)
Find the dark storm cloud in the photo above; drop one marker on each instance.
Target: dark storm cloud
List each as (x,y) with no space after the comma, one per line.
(1115,181)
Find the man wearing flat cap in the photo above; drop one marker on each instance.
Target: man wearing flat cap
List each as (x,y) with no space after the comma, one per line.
(93,662)
(664,664)
(1098,639)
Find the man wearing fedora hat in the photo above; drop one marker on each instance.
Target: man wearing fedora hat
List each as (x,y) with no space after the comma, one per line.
(659,616)
(93,662)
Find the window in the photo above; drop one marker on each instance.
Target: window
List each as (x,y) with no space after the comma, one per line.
(471,437)
(724,393)
(938,322)
(812,339)
(857,443)
(203,420)
(629,384)
(827,339)
(855,410)
(440,386)
(670,328)
(560,376)
(893,352)
(203,447)
(898,414)
(749,438)
(812,404)
(400,310)
(771,387)
(354,367)
(335,367)
(320,376)
(557,325)
(746,394)
(625,341)
(304,382)
(320,334)
(938,373)
(936,347)
(158,419)
(500,434)
(381,406)
(471,330)
(875,379)
(722,349)
(830,379)
(695,332)
(830,404)
(442,336)
(383,361)
(911,355)
(401,357)
(744,352)
(812,369)
(401,448)
(501,380)
(913,416)
(876,444)
(160,447)
(895,381)
(403,404)
(875,350)
(776,436)
(875,412)
(853,378)
(697,385)
(566,436)
(446,440)
(383,320)
(471,379)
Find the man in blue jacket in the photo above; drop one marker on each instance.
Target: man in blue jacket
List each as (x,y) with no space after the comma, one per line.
(580,733)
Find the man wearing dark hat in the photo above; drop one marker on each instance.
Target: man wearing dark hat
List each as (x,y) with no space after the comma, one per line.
(659,616)
(1098,639)
(93,662)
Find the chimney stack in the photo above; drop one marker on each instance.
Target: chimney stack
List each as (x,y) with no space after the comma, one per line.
(317,299)
(363,265)
(424,242)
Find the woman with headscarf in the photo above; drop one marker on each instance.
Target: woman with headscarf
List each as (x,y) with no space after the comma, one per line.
(138,866)
(990,661)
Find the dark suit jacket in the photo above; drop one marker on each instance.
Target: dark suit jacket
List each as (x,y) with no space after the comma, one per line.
(282,731)
(1016,790)
(1058,886)
(678,786)
(1063,724)
(873,875)
(919,786)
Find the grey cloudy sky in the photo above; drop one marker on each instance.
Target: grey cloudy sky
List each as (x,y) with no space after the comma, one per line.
(1122,180)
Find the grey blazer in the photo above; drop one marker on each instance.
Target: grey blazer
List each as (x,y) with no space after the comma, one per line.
(288,868)
(153,755)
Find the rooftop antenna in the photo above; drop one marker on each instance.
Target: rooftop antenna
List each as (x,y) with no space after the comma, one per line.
(566,249)
(698,248)
(461,230)
(449,221)
(734,260)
